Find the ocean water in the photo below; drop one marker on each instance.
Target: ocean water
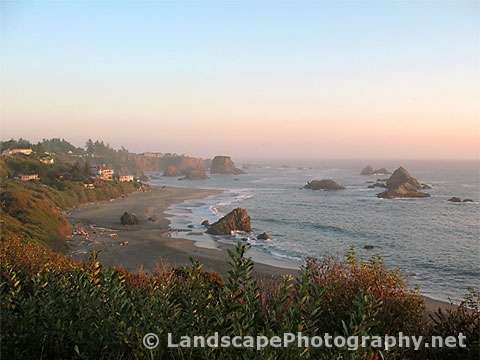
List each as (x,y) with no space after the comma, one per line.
(435,243)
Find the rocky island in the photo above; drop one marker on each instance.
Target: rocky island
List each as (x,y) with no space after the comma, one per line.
(402,185)
(325,184)
(224,165)
(369,170)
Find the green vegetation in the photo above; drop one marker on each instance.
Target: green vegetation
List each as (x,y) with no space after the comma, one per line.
(35,210)
(54,308)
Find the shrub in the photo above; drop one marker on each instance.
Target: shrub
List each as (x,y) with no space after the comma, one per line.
(55,308)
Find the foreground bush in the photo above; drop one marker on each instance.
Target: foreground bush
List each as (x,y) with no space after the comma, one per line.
(54,308)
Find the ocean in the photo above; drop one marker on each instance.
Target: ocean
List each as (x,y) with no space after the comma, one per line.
(434,242)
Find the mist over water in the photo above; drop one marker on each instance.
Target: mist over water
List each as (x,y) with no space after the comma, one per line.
(434,242)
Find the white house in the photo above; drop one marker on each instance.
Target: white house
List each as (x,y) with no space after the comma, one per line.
(126,178)
(24,151)
(105,174)
(47,160)
(30,177)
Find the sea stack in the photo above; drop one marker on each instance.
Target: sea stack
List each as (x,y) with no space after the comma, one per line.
(236,220)
(325,184)
(368,170)
(402,185)
(224,165)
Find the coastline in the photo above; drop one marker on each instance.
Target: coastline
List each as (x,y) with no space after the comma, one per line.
(149,243)
(143,247)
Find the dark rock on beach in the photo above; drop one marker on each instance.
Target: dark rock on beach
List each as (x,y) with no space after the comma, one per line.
(205,223)
(467,200)
(236,220)
(402,185)
(325,184)
(129,219)
(224,165)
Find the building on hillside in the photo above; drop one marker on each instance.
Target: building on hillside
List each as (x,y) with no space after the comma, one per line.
(24,151)
(89,186)
(104,173)
(29,177)
(47,160)
(126,178)
(152,154)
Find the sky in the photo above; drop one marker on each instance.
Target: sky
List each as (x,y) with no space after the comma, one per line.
(266,79)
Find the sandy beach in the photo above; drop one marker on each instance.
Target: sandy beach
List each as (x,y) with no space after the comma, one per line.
(144,246)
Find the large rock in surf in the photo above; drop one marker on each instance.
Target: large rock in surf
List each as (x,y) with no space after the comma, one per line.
(263,236)
(456,199)
(235,220)
(224,165)
(368,170)
(129,219)
(402,185)
(325,184)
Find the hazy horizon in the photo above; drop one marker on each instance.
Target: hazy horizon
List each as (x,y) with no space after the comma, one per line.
(311,80)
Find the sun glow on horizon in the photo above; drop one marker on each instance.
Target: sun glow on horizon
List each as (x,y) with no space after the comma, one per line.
(317,80)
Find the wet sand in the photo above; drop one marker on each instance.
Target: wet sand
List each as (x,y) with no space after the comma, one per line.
(149,242)
(144,246)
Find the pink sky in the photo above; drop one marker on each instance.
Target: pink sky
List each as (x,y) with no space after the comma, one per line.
(398,80)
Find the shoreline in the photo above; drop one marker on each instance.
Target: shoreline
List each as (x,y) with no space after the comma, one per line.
(143,247)
(149,243)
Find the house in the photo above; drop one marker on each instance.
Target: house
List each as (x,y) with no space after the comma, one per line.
(89,186)
(126,178)
(152,154)
(46,160)
(24,151)
(30,177)
(105,173)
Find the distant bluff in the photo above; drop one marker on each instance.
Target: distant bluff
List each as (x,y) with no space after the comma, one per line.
(224,165)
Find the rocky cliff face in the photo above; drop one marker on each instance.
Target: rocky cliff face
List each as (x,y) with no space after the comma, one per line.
(236,220)
(401,184)
(190,167)
(196,174)
(325,184)
(224,165)
(162,162)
